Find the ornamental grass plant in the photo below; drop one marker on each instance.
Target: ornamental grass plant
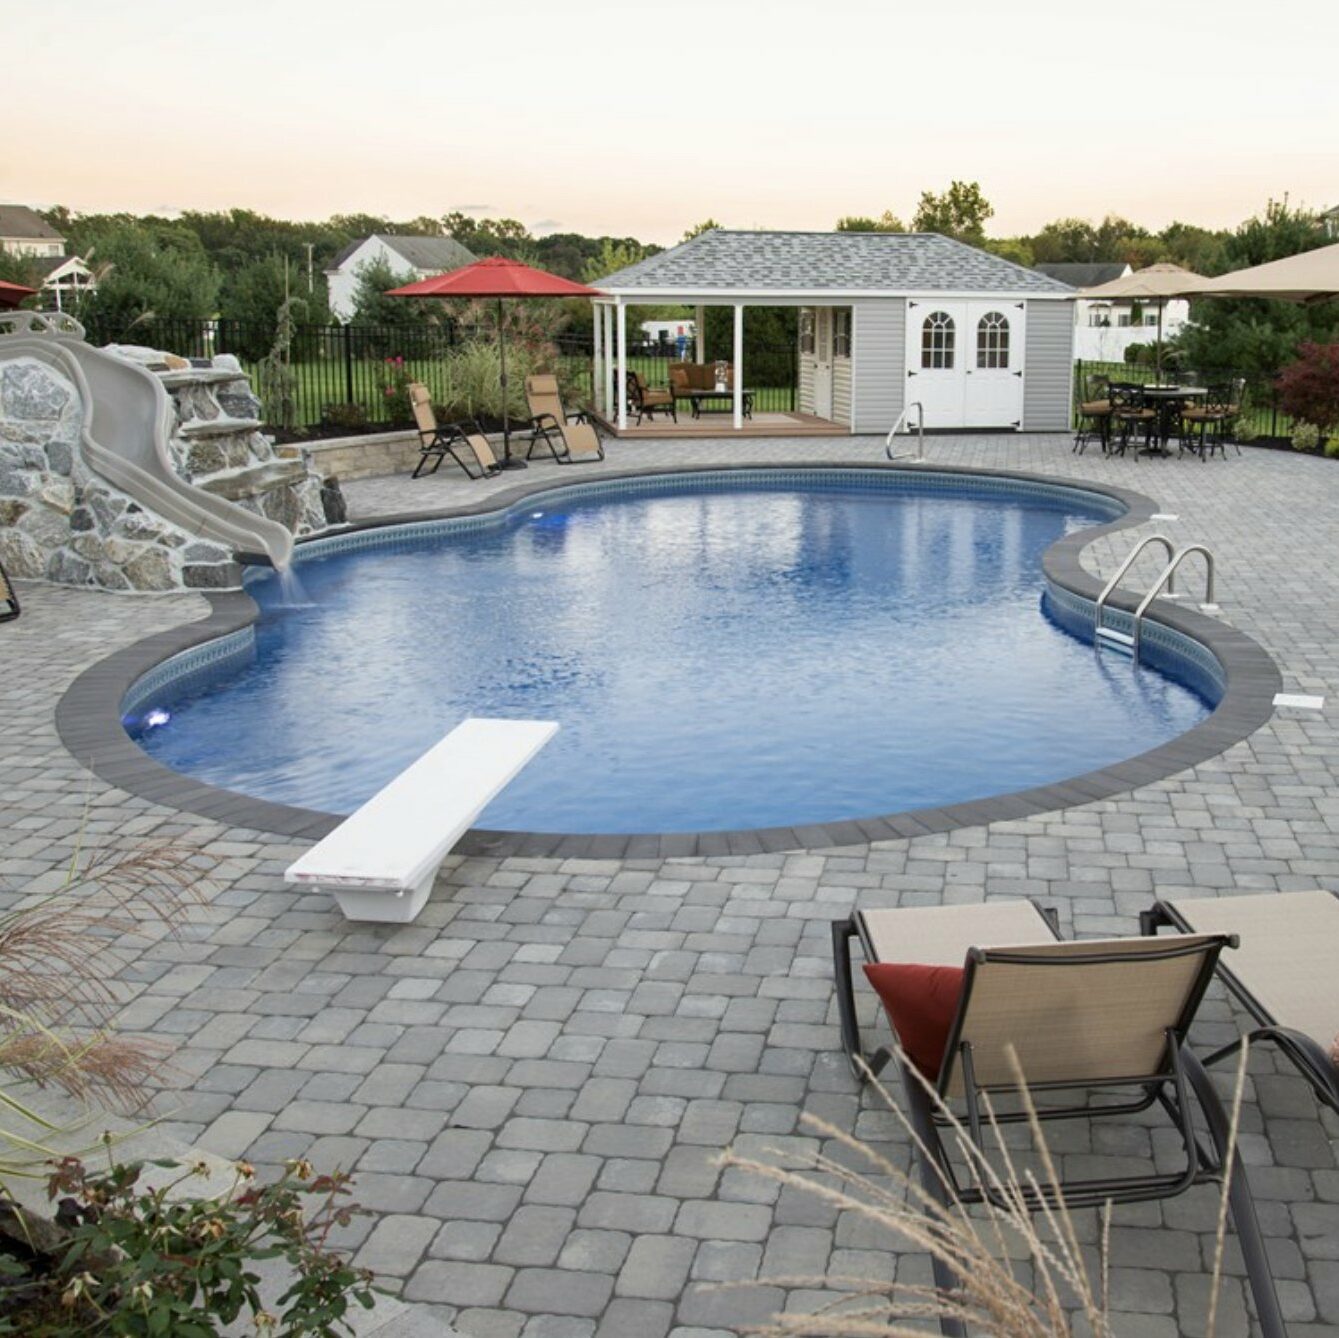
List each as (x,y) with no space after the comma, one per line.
(1057,1293)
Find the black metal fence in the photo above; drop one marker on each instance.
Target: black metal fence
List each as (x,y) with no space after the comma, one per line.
(1260,413)
(344,376)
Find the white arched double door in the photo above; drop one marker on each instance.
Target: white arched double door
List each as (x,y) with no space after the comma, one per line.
(965,362)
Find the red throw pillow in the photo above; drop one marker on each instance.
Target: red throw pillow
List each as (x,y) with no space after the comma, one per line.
(921,1002)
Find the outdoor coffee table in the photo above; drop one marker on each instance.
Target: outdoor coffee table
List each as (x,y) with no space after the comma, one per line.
(716,401)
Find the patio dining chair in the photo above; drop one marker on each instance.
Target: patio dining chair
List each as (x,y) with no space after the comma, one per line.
(1284,974)
(9,601)
(1204,424)
(470,450)
(1094,414)
(975,990)
(649,400)
(1130,416)
(571,438)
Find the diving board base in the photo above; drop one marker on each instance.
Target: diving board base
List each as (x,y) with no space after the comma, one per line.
(387,905)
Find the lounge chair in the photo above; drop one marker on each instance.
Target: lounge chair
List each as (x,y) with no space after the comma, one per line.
(1079,1017)
(470,450)
(9,601)
(1285,974)
(571,438)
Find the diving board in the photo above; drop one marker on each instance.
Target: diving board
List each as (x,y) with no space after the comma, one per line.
(381,861)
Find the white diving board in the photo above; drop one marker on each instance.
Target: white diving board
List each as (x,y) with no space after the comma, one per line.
(380,862)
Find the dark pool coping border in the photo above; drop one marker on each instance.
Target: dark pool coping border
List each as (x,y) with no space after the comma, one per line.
(89,723)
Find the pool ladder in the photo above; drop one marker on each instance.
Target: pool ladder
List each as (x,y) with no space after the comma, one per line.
(1129,641)
(904,421)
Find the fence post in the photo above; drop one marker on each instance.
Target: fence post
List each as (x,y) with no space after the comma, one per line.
(348,365)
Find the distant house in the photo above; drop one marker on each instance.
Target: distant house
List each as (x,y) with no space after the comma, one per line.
(1329,219)
(24,232)
(1104,330)
(408,257)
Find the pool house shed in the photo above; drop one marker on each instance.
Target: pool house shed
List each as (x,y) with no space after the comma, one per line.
(886,320)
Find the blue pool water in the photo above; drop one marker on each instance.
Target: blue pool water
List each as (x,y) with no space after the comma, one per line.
(719,656)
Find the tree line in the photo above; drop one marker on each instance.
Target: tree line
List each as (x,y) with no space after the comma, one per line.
(242,265)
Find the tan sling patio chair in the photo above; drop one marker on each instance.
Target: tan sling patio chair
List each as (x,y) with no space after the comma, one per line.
(571,438)
(470,450)
(1106,1017)
(1285,974)
(9,601)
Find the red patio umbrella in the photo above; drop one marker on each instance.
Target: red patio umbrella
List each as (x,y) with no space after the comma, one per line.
(11,294)
(496,276)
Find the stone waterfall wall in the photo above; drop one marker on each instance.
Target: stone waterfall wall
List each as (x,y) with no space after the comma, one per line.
(62,522)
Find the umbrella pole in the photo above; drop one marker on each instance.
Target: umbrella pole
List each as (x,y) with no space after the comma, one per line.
(507,461)
(1162,302)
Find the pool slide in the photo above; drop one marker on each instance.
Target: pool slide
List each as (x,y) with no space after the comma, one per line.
(128,421)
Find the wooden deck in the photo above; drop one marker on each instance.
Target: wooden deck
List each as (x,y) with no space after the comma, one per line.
(718,425)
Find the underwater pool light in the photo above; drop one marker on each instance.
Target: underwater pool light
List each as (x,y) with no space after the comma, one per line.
(158,716)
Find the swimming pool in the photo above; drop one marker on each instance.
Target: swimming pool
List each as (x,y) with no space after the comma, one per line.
(743,650)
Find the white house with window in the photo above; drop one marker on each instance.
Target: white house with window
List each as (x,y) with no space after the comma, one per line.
(409,258)
(886,320)
(1104,330)
(24,232)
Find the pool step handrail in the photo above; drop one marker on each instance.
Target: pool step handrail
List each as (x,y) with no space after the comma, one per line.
(1125,566)
(1167,577)
(903,420)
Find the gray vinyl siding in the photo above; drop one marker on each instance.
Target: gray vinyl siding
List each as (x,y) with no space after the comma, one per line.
(879,371)
(1048,367)
(841,390)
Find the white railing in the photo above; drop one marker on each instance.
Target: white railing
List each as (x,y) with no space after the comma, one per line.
(904,422)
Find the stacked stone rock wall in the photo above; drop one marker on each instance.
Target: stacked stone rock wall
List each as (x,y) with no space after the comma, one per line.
(61,522)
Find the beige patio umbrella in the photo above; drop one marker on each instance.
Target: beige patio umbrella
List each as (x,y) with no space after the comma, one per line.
(1155,283)
(1311,276)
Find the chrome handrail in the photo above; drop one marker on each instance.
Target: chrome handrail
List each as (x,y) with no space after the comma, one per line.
(920,432)
(1169,574)
(1125,566)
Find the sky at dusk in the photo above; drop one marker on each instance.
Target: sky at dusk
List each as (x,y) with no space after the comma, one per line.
(599,116)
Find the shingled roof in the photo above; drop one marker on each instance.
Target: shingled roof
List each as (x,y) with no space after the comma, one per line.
(1083,274)
(836,262)
(18,221)
(432,254)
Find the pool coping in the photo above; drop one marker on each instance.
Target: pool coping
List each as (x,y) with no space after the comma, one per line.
(88,718)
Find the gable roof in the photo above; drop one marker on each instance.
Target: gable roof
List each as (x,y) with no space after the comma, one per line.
(17,220)
(432,254)
(827,262)
(1083,274)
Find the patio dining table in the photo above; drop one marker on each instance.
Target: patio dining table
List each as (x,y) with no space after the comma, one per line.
(1168,402)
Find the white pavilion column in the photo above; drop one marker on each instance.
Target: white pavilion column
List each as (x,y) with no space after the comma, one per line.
(621,377)
(701,332)
(739,365)
(597,376)
(607,315)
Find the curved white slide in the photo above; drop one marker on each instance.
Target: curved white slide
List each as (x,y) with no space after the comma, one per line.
(128,420)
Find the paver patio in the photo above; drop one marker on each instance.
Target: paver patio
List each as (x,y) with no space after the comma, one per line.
(531,1082)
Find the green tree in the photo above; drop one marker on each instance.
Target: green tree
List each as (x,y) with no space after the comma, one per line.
(491,236)
(960,212)
(707,225)
(1253,336)
(147,270)
(371,306)
(886,222)
(255,292)
(1017,249)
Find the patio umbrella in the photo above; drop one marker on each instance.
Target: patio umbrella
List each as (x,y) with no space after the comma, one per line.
(1311,276)
(11,294)
(497,277)
(1156,284)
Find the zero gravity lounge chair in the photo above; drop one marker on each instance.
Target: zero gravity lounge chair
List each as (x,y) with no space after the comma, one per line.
(976,989)
(1285,974)
(470,450)
(572,439)
(9,601)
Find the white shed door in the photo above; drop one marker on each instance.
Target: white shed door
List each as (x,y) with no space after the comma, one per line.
(823,362)
(993,358)
(936,345)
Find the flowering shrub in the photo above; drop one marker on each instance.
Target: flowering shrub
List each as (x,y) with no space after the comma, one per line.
(395,381)
(124,1258)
